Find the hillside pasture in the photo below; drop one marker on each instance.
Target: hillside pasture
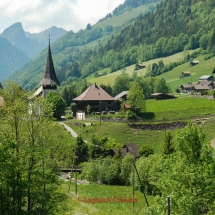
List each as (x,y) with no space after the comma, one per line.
(110,78)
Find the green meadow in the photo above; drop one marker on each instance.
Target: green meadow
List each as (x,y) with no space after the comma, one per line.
(205,67)
(90,200)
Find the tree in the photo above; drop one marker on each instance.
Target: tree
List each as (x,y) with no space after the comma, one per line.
(57,102)
(168,145)
(32,148)
(189,174)
(161,86)
(81,150)
(88,26)
(136,99)
(121,84)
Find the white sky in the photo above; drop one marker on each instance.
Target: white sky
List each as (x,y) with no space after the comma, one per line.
(37,15)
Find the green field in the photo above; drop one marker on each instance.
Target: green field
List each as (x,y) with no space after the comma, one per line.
(77,204)
(182,108)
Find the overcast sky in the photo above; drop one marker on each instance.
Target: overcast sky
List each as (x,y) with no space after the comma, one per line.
(37,15)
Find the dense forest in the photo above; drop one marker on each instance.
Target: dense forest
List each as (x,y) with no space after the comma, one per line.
(174,26)
(12,58)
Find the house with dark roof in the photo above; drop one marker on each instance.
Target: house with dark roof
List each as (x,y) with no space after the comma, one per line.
(97,98)
(128,148)
(49,80)
(162,96)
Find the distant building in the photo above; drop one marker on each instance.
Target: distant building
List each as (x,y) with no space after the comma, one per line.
(141,66)
(185,88)
(128,148)
(206,78)
(197,88)
(162,96)
(194,62)
(97,98)
(185,74)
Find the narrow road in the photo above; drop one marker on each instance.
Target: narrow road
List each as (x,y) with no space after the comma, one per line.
(68,129)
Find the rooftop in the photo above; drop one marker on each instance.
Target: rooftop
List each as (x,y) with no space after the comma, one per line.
(94,93)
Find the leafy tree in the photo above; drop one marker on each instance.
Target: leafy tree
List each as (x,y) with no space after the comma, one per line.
(168,145)
(146,150)
(81,150)
(57,102)
(32,148)
(121,84)
(161,86)
(135,99)
(188,175)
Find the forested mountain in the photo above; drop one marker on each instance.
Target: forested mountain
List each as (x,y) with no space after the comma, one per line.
(11,58)
(173,27)
(30,44)
(71,47)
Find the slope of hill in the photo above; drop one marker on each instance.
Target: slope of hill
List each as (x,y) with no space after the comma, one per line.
(11,58)
(72,47)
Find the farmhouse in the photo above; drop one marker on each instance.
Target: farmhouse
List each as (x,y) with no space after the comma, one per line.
(162,96)
(197,88)
(130,148)
(185,88)
(207,78)
(96,98)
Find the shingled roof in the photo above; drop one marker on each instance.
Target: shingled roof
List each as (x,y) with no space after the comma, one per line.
(94,93)
(49,77)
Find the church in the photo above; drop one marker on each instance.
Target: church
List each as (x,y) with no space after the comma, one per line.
(49,82)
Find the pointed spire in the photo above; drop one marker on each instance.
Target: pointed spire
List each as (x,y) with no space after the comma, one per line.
(49,77)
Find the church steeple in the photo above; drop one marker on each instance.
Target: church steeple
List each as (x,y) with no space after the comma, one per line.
(49,77)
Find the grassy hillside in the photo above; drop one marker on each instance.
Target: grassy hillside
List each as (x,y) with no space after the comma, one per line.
(109,78)
(126,17)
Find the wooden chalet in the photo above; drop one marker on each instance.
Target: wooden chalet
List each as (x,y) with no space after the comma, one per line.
(49,81)
(185,74)
(162,96)
(206,78)
(97,98)
(185,88)
(128,148)
(197,88)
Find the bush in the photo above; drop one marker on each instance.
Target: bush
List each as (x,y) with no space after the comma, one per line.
(130,114)
(69,116)
(146,150)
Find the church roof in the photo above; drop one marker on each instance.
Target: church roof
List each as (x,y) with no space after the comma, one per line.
(49,77)
(94,93)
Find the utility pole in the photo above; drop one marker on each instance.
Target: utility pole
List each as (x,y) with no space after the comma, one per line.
(100,103)
(168,205)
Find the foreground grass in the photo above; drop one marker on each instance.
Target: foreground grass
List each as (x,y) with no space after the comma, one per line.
(77,204)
